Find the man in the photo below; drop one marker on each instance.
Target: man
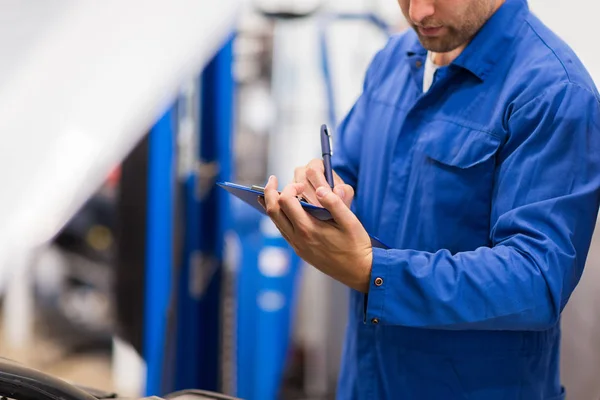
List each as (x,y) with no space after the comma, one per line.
(474,153)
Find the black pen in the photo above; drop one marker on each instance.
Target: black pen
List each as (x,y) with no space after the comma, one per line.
(326,150)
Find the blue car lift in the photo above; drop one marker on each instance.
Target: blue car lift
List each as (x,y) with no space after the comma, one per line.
(185,257)
(183,291)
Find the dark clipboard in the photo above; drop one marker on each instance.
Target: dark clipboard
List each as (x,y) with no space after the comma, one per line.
(250,195)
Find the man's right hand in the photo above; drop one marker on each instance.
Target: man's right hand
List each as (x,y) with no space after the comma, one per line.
(313,176)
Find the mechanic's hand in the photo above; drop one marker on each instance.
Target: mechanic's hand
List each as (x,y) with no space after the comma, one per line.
(313,175)
(340,248)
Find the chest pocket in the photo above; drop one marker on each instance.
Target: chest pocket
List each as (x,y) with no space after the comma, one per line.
(452,174)
(456,146)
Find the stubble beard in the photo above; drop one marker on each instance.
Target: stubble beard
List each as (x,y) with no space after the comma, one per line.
(456,36)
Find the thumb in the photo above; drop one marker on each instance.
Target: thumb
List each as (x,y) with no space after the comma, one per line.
(336,206)
(346,193)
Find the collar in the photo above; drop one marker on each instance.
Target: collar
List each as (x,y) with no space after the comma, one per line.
(490,43)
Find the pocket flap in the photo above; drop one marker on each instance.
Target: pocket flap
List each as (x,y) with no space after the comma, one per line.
(456,145)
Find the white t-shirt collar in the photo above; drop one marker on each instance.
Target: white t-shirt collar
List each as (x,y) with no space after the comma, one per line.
(429,72)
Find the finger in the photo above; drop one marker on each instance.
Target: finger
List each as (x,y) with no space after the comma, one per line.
(337,180)
(309,190)
(316,178)
(300,175)
(316,164)
(273,210)
(338,209)
(300,172)
(346,193)
(292,209)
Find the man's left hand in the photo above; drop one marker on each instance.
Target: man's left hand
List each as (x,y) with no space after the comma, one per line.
(340,248)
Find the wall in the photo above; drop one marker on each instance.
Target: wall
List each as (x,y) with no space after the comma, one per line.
(574,21)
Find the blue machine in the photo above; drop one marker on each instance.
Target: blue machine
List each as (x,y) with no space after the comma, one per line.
(266,281)
(206,220)
(186,255)
(182,324)
(159,248)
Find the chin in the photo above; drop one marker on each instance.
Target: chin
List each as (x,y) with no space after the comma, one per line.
(433,44)
(437,44)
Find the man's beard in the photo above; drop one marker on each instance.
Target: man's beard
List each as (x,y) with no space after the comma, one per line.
(451,40)
(457,36)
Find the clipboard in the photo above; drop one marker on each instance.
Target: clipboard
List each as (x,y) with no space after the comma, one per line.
(250,195)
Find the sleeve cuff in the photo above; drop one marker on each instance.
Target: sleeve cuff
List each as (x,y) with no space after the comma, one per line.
(374,301)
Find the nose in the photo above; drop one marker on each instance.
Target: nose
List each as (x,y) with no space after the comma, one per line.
(420,10)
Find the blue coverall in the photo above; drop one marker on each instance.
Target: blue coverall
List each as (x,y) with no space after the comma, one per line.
(487,190)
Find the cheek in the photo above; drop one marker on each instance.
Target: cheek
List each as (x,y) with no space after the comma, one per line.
(452,12)
(404,6)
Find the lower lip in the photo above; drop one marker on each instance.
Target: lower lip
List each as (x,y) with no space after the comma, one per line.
(430,31)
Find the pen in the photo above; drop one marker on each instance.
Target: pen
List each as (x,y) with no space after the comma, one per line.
(326,150)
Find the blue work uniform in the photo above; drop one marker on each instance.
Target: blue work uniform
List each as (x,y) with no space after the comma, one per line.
(486,188)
